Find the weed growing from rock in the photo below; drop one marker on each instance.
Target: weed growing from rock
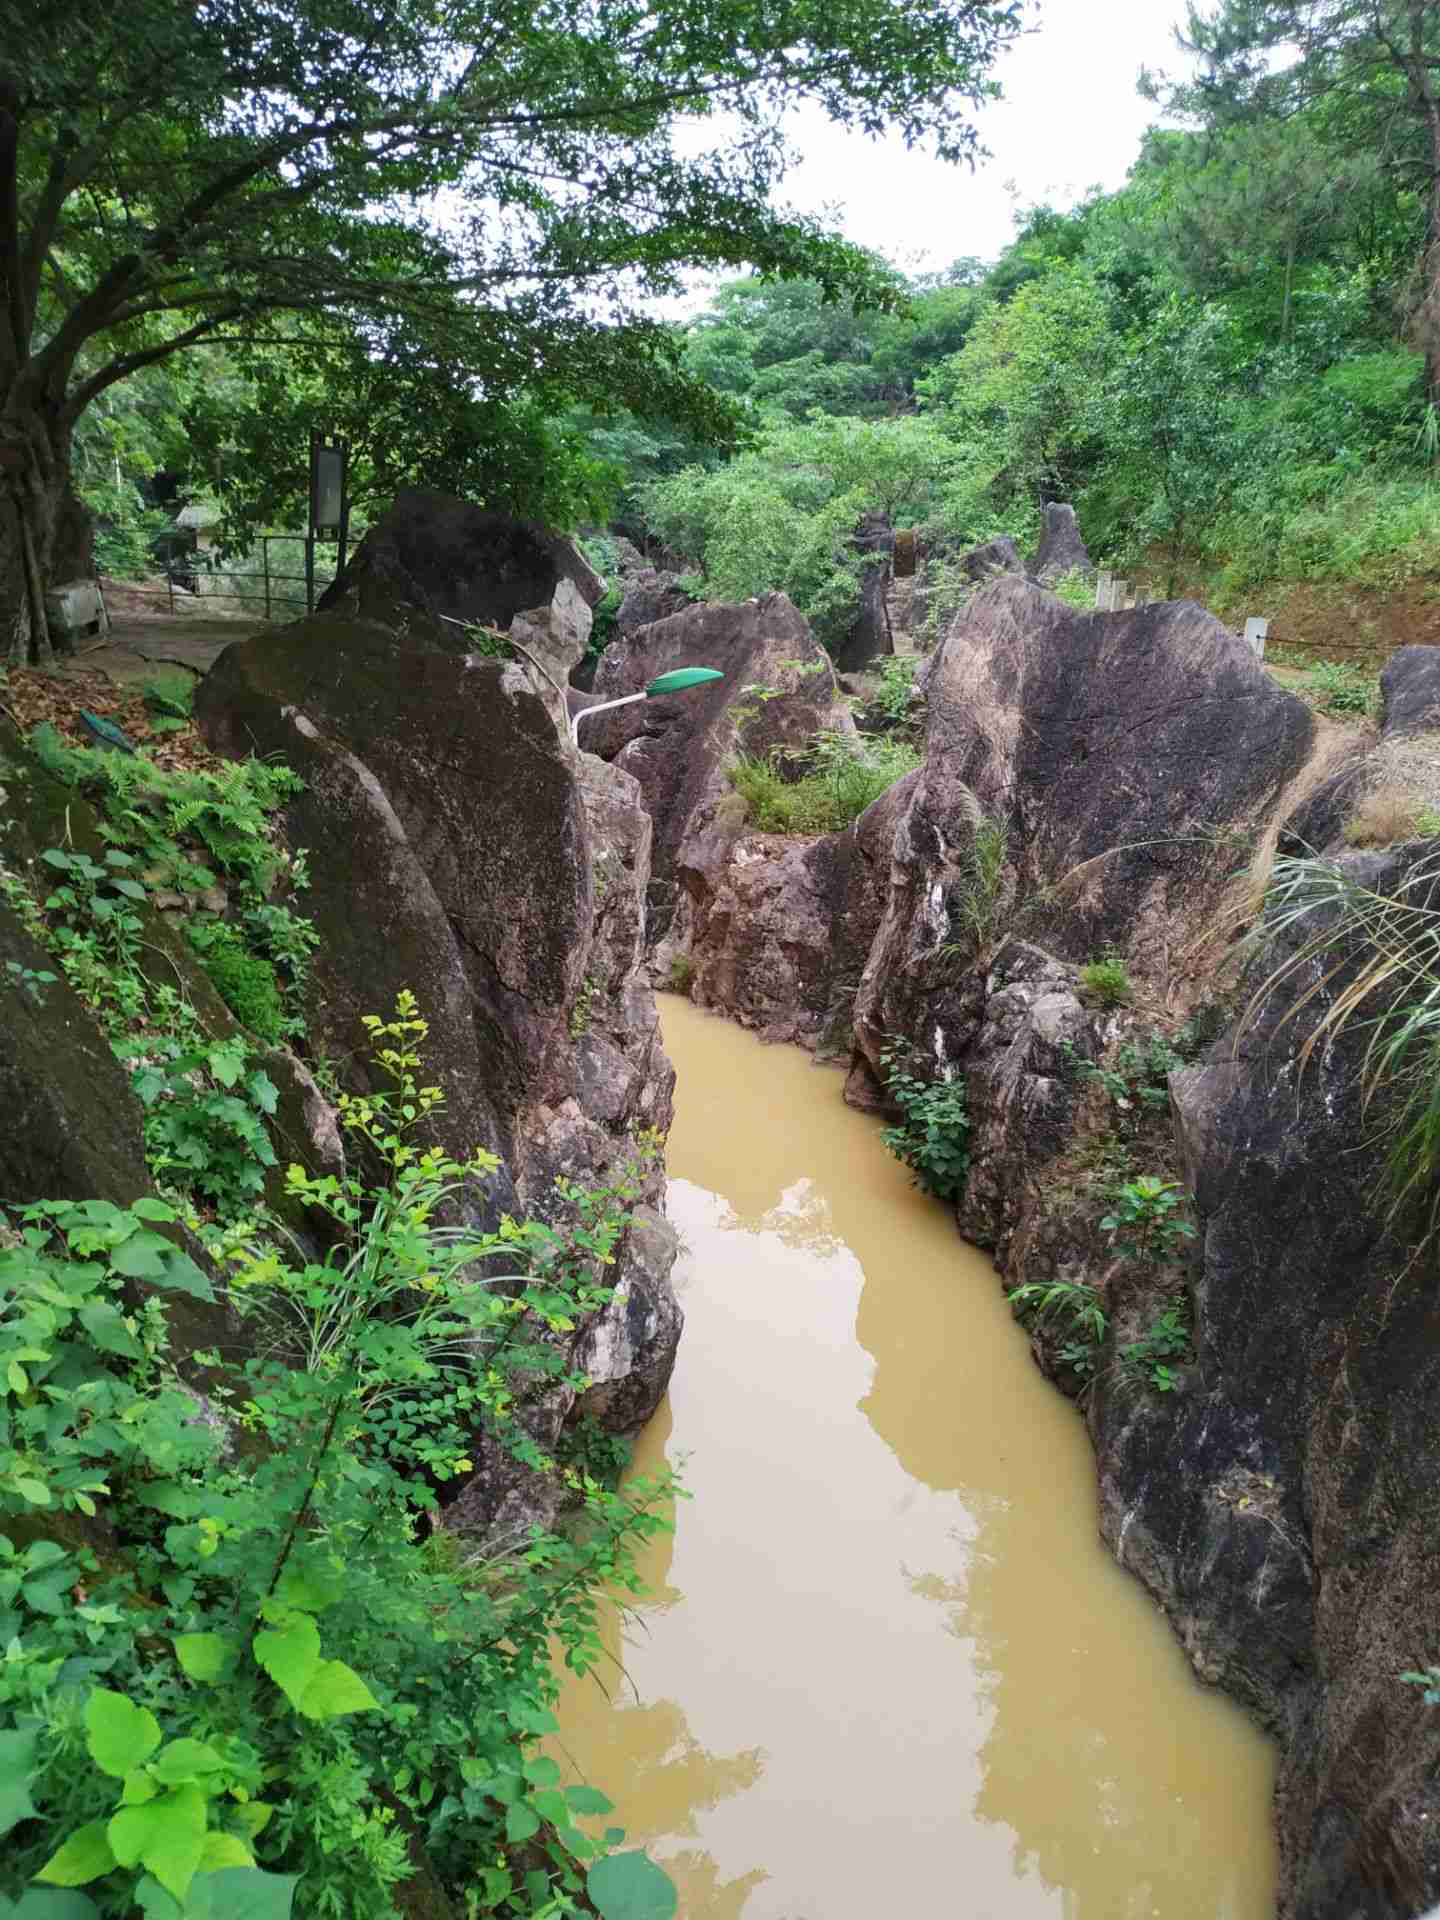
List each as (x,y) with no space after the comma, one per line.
(844,774)
(1107,979)
(933,1130)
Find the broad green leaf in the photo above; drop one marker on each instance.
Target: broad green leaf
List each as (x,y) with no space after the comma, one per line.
(224,1850)
(107,1330)
(142,1256)
(310,1589)
(166,1837)
(49,1592)
(526,1718)
(35,1491)
(146,1208)
(253,1816)
(47,1903)
(588,1800)
(119,1735)
(84,1857)
(156,1904)
(334,1690)
(17,1767)
(183,1760)
(629,1886)
(243,1893)
(204,1656)
(540,1770)
(521,1822)
(290,1655)
(183,1276)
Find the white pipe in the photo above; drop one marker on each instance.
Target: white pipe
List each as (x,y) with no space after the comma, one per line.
(604,707)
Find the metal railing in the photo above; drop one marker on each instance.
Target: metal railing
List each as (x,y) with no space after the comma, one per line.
(193,574)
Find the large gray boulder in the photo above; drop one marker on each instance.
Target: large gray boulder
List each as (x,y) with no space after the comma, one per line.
(650,595)
(431,560)
(1119,753)
(779,933)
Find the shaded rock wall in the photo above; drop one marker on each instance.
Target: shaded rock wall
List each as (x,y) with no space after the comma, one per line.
(461,848)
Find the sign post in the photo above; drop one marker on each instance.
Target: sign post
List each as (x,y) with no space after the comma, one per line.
(329,503)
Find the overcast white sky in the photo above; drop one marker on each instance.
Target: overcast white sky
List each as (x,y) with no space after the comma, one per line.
(1070,119)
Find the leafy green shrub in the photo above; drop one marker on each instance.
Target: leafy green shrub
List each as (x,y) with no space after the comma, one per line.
(1140,1076)
(895,696)
(170,696)
(682,972)
(260,1699)
(976,899)
(1163,1346)
(1389,948)
(848,772)
(1143,1223)
(205,1113)
(1076,588)
(932,1132)
(1107,980)
(1343,689)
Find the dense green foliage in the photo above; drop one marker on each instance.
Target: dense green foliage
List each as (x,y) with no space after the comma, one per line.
(1228,365)
(245,1688)
(263,185)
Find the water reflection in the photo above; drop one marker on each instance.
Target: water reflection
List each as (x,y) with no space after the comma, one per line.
(902,1672)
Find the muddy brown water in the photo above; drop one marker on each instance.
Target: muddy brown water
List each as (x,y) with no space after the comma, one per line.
(886,1666)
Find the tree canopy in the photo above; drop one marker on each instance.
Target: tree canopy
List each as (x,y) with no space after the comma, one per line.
(475,195)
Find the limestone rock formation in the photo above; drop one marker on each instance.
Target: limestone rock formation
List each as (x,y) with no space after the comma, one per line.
(1061,548)
(869,636)
(1117,753)
(650,595)
(779,690)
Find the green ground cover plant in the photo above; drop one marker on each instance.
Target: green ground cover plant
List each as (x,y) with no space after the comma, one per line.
(842,775)
(931,1135)
(244,1690)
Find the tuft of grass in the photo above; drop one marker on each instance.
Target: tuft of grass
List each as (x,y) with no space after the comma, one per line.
(1076,588)
(682,972)
(845,774)
(1378,955)
(1107,979)
(1387,814)
(1343,689)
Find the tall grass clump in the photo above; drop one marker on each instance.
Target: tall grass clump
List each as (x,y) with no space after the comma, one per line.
(843,774)
(1376,961)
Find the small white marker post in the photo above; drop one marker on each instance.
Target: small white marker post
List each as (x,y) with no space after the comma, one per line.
(1102,592)
(1256,631)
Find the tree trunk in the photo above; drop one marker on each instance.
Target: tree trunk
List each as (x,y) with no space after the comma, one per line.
(45,535)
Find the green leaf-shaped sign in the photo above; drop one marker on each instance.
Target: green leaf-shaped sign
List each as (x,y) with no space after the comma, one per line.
(680,680)
(629,1886)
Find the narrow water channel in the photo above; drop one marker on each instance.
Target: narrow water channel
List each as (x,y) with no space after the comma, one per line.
(886,1667)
